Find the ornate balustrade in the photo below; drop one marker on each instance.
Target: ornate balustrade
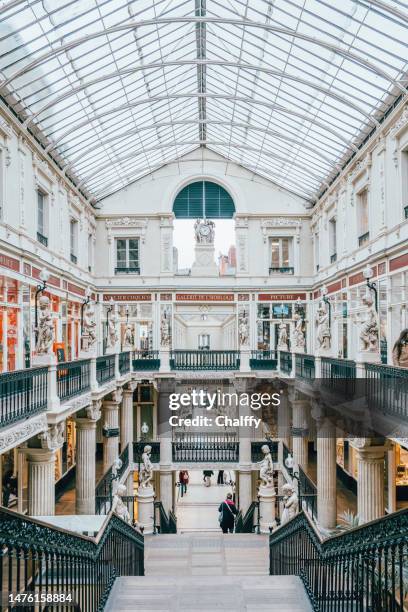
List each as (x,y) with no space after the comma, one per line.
(124,362)
(23,394)
(146,360)
(339,375)
(39,559)
(163,522)
(305,366)
(361,569)
(285,362)
(203,448)
(204,360)
(263,360)
(105,368)
(73,378)
(257,454)
(104,487)
(387,389)
(138,451)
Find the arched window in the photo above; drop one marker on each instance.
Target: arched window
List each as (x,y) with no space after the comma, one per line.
(203,199)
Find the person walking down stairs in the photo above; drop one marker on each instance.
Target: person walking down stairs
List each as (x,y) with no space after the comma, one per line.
(228,512)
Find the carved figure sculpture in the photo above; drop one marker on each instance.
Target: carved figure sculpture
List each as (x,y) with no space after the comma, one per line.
(128,337)
(165,335)
(112,332)
(323,328)
(146,469)
(290,503)
(204,231)
(89,324)
(45,328)
(369,329)
(298,334)
(119,506)
(243,328)
(283,337)
(266,467)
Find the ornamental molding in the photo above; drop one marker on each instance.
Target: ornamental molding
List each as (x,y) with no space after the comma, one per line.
(93,412)
(241,223)
(78,404)
(281,222)
(19,433)
(401,124)
(126,222)
(5,128)
(40,165)
(53,437)
(362,166)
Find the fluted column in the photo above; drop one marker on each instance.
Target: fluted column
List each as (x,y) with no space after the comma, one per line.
(41,482)
(166,473)
(300,433)
(284,418)
(126,419)
(245,462)
(111,437)
(370,483)
(86,460)
(326,474)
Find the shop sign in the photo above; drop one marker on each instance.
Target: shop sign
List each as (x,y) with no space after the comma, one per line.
(281,297)
(127,297)
(399,262)
(243,297)
(9,262)
(166,297)
(75,289)
(204,297)
(53,280)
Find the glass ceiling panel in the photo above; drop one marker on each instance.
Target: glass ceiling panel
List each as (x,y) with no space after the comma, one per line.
(114,89)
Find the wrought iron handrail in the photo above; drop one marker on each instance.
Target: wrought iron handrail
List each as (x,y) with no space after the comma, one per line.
(387,389)
(245,524)
(307,493)
(23,394)
(282,270)
(146,360)
(163,522)
(305,366)
(257,454)
(263,360)
(124,362)
(73,378)
(105,368)
(138,451)
(285,362)
(204,360)
(38,558)
(204,447)
(361,569)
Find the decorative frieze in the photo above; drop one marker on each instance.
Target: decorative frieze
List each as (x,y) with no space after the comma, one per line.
(21,432)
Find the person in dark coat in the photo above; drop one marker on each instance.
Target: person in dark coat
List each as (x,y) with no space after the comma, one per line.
(229,512)
(220,478)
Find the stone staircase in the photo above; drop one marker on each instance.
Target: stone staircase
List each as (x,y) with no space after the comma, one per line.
(204,572)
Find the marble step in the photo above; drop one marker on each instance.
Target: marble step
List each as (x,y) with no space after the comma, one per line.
(216,592)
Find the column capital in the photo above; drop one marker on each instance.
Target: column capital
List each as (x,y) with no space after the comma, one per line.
(39,455)
(53,438)
(93,412)
(85,423)
(115,396)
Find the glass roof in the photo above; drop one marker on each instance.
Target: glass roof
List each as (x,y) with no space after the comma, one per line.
(114,89)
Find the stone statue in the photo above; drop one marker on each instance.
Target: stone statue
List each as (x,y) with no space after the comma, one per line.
(119,506)
(45,329)
(165,336)
(243,328)
(283,337)
(89,324)
(266,467)
(128,337)
(298,334)
(146,469)
(323,328)
(369,330)
(290,503)
(112,332)
(204,231)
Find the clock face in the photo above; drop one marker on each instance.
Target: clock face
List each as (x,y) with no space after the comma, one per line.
(204,230)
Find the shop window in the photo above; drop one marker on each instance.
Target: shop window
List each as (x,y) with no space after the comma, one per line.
(42,229)
(73,240)
(362,218)
(127,256)
(281,256)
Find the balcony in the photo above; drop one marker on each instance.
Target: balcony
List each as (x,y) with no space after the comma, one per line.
(333,258)
(286,362)
(387,389)
(74,259)
(305,366)
(42,239)
(363,239)
(257,454)
(124,362)
(146,360)
(263,360)
(204,360)
(105,368)
(73,378)
(130,270)
(202,448)
(282,270)
(338,375)
(138,451)
(23,394)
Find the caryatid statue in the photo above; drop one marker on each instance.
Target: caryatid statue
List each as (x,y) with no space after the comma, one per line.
(283,337)
(369,330)
(112,331)
(298,334)
(89,324)
(323,327)
(128,337)
(45,330)
(290,503)
(146,468)
(118,504)
(266,467)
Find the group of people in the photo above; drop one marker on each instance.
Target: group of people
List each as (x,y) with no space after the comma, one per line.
(223,478)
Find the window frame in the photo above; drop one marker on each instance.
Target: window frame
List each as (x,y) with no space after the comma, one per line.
(127,269)
(290,266)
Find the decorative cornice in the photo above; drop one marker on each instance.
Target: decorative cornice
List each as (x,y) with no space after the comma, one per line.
(126,222)
(21,432)
(53,437)
(281,222)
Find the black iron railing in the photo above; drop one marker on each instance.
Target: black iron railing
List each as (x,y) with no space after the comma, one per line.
(163,522)
(22,393)
(73,378)
(339,375)
(202,448)
(42,560)
(138,451)
(124,362)
(129,270)
(387,389)
(285,362)
(363,239)
(257,454)
(250,522)
(204,360)
(305,366)
(263,360)
(146,360)
(405,212)
(105,368)
(361,569)
(74,258)
(282,270)
(104,487)
(333,257)
(42,239)
(307,493)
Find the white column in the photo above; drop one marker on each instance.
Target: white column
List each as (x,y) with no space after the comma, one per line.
(326,474)
(370,483)
(126,420)
(166,472)
(300,427)
(41,482)
(267,497)
(85,465)
(284,418)
(110,443)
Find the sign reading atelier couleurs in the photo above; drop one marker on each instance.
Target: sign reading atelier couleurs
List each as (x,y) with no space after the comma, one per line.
(127,297)
(204,297)
(281,297)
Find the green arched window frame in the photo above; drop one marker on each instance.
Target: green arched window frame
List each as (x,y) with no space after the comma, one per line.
(203,200)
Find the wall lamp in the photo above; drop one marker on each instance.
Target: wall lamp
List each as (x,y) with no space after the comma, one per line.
(368,273)
(44,276)
(324,291)
(85,303)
